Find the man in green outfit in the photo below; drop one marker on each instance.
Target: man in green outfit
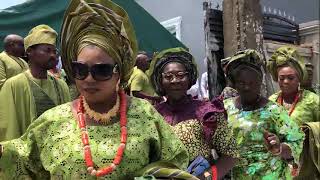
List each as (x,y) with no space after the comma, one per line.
(11,62)
(27,95)
(139,82)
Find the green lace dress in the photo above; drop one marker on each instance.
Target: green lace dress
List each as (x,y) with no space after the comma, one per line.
(255,161)
(307,108)
(52,148)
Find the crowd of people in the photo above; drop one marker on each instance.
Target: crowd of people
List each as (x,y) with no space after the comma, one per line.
(114,112)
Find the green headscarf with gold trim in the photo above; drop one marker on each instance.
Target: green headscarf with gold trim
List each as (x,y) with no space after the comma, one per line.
(287,56)
(167,56)
(101,23)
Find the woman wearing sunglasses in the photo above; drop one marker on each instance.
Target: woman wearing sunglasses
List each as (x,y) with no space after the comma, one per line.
(201,125)
(103,133)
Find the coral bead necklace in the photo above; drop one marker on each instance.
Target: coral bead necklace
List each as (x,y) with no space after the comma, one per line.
(296,99)
(85,138)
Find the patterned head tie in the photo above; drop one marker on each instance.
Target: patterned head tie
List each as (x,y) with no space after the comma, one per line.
(287,56)
(99,23)
(167,56)
(247,59)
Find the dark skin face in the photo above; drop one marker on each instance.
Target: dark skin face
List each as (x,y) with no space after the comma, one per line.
(142,62)
(43,56)
(308,82)
(175,85)
(288,80)
(247,83)
(97,93)
(14,45)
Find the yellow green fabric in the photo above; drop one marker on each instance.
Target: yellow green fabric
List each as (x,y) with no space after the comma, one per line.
(41,34)
(256,162)
(311,153)
(19,109)
(139,81)
(10,66)
(287,55)
(103,24)
(52,145)
(307,108)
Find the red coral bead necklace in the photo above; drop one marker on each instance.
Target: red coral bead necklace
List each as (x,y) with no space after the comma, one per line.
(296,99)
(85,138)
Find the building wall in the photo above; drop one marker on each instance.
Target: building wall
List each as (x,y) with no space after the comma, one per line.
(309,37)
(192,22)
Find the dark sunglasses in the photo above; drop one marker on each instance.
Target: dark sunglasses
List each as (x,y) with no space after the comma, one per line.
(99,72)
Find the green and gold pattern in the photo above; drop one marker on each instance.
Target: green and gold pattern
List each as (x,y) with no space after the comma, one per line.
(248,126)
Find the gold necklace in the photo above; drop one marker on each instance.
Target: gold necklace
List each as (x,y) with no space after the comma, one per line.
(103,118)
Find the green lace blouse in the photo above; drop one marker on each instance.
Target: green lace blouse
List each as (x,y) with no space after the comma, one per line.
(307,108)
(52,148)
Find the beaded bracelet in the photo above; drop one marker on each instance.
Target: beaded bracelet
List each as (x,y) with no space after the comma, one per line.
(214,172)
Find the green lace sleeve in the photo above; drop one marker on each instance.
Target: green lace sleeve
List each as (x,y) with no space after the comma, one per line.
(20,157)
(165,146)
(288,131)
(169,146)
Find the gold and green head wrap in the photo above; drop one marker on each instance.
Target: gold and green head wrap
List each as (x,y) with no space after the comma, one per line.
(103,24)
(248,58)
(41,34)
(167,56)
(287,56)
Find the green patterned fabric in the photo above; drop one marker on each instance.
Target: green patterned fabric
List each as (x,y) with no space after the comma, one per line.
(256,163)
(190,132)
(248,58)
(165,170)
(306,110)
(52,145)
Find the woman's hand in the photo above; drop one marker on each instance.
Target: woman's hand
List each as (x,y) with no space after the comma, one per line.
(272,142)
(207,175)
(157,99)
